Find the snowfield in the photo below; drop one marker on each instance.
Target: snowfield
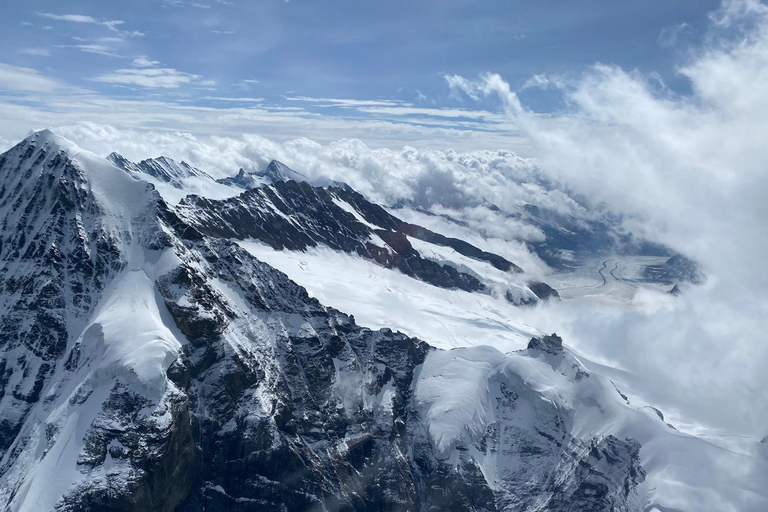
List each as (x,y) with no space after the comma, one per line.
(378,297)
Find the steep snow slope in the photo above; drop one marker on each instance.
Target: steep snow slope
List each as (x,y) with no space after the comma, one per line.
(378,297)
(81,250)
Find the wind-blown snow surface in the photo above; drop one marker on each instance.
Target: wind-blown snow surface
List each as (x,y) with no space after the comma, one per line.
(379,297)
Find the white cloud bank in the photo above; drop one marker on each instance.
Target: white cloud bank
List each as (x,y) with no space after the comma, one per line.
(146,73)
(463,185)
(694,168)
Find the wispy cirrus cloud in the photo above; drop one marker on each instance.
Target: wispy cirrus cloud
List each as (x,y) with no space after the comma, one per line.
(346,102)
(146,73)
(20,79)
(38,52)
(90,20)
(97,49)
(194,3)
(233,99)
(82,18)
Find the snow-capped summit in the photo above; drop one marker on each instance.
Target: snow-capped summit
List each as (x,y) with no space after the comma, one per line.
(274,172)
(120,161)
(278,171)
(47,174)
(244,180)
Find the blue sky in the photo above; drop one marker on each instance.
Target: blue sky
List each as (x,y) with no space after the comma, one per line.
(295,59)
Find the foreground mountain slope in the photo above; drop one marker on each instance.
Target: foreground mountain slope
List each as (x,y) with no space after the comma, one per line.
(195,377)
(67,231)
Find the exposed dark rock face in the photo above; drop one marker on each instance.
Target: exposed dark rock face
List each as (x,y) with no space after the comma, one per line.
(156,453)
(552,344)
(320,416)
(295,216)
(543,291)
(293,422)
(677,269)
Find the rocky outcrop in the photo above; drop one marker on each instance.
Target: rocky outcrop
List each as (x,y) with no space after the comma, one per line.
(544,291)
(552,344)
(677,269)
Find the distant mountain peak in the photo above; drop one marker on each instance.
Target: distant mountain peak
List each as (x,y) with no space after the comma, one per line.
(119,160)
(162,168)
(274,172)
(278,171)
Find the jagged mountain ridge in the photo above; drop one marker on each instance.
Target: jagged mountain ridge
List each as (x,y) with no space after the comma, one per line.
(295,216)
(283,209)
(237,389)
(176,173)
(274,172)
(567,242)
(163,168)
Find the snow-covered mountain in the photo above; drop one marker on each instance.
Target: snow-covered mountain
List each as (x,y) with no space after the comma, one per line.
(163,168)
(273,173)
(150,362)
(173,180)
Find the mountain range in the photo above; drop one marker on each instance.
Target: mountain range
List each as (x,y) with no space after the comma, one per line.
(151,360)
